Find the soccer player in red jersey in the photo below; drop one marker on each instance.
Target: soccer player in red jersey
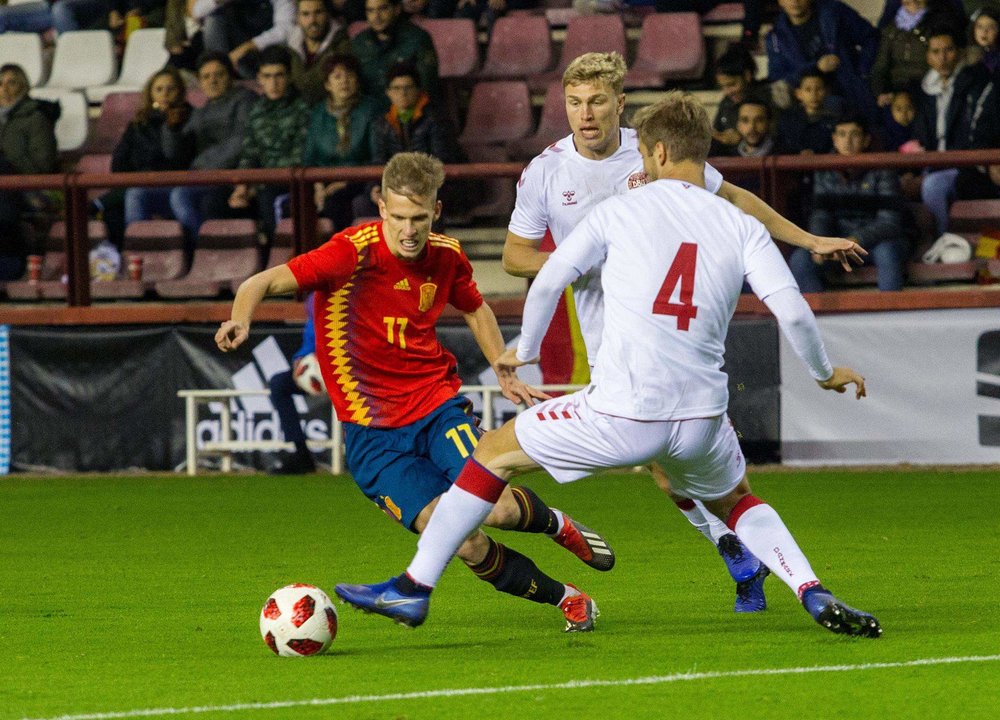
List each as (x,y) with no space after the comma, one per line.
(379,290)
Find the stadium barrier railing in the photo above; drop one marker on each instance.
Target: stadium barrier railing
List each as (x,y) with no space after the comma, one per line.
(225,446)
(772,174)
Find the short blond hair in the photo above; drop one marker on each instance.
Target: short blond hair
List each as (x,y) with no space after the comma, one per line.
(678,121)
(416,175)
(606,67)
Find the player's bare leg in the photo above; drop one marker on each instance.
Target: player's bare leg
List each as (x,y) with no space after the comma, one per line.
(762,530)
(745,569)
(457,517)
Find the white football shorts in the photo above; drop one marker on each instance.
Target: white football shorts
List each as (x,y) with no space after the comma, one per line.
(571,440)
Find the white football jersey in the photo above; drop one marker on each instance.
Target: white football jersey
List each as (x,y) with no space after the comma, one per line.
(557,190)
(673,260)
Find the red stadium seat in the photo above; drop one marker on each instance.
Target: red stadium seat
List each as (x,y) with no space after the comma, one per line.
(520,46)
(456,45)
(552,126)
(586,33)
(499,111)
(160,246)
(724,13)
(671,47)
(283,245)
(94,163)
(226,251)
(494,197)
(974,215)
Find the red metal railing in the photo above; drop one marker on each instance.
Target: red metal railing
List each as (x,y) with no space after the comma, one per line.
(771,172)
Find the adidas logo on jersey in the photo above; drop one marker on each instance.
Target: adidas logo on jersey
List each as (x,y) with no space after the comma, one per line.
(403,284)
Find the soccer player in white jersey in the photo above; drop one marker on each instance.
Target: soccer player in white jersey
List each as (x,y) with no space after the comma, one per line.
(568,179)
(674,258)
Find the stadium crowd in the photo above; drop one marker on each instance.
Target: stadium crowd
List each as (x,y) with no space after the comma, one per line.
(281,83)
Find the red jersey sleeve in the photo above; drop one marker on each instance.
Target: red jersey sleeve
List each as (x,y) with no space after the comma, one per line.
(327,267)
(464,293)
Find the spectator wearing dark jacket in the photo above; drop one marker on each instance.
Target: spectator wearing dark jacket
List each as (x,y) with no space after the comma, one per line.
(315,37)
(833,37)
(27,147)
(807,127)
(941,121)
(389,39)
(735,73)
(866,206)
(275,135)
(146,146)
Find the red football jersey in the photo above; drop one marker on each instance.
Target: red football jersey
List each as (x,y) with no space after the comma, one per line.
(375,319)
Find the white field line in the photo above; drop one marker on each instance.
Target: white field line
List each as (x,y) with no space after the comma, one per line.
(568,685)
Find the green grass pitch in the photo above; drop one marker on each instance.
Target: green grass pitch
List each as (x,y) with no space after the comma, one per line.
(122,596)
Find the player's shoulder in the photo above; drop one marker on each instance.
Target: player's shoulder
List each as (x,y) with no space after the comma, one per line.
(550,159)
(361,236)
(444,243)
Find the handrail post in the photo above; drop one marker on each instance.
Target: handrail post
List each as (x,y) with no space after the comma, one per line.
(77,243)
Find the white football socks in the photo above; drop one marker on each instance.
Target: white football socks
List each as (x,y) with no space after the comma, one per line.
(457,514)
(765,535)
(705,522)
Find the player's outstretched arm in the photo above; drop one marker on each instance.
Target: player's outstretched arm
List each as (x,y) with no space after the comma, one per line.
(273,281)
(841,378)
(521,256)
(843,250)
(483,324)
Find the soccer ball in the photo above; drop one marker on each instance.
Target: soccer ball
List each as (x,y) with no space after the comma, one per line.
(307,375)
(298,620)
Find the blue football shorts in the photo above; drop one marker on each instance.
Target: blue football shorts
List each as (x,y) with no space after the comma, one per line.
(402,469)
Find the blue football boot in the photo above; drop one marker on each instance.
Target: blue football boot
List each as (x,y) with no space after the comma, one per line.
(741,563)
(750,593)
(386,599)
(837,617)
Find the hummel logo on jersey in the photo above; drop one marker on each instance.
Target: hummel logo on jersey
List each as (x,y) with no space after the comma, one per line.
(403,284)
(569,195)
(381,602)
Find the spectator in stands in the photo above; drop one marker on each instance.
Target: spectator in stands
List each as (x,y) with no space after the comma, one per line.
(833,37)
(892,7)
(350,10)
(146,144)
(735,73)
(865,206)
(985,34)
(943,101)
(315,37)
(27,147)
(283,391)
(412,124)
(898,120)
(389,39)
(241,28)
(754,123)
(275,135)
(982,182)
(902,52)
(341,133)
(213,138)
(807,127)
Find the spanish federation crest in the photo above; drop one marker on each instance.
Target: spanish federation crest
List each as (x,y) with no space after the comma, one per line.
(427,292)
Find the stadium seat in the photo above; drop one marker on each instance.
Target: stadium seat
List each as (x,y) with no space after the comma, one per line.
(24,49)
(456,45)
(520,46)
(73,123)
(226,251)
(974,216)
(94,163)
(552,126)
(117,111)
(160,245)
(494,197)
(83,58)
(499,111)
(356,28)
(671,47)
(724,13)
(51,285)
(585,33)
(283,245)
(144,55)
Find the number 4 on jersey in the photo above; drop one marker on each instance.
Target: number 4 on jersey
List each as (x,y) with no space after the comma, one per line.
(681,271)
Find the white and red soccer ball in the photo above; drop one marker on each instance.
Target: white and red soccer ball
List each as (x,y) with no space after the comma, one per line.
(308,376)
(298,620)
